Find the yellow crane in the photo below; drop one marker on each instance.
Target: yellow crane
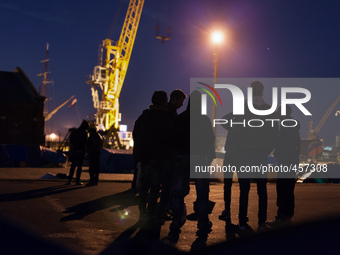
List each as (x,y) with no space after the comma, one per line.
(108,77)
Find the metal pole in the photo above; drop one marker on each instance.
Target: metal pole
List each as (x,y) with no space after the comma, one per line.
(214,109)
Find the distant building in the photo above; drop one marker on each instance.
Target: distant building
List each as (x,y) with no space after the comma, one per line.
(21,110)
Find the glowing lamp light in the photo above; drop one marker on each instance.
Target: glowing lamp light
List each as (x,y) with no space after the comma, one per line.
(217,37)
(53,136)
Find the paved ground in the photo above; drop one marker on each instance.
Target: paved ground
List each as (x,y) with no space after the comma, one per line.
(93,220)
(28,173)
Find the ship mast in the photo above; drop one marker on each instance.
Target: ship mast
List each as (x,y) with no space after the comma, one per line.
(44,75)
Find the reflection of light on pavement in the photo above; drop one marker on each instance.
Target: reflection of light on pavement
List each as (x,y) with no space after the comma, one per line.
(337,113)
(303,177)
(124,214)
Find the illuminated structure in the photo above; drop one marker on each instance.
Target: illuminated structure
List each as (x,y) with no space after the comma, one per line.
(217,38)
(108,77)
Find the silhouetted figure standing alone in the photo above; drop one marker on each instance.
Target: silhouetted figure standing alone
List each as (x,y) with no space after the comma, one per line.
(95,144)
(78,139)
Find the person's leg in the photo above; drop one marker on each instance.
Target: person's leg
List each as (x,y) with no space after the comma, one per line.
(285,202)
(79,170)
(228,181)
(92,166)
(287,199)
(145,185)
(225,215)
(243,202)
(71,172)
(280,191)
(167,186)
(156,174)
(290,197)
(181,183)
(263,200)
(201,206)
(179,208)
(96,170)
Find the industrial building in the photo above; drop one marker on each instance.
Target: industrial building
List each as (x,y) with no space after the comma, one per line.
(21,110)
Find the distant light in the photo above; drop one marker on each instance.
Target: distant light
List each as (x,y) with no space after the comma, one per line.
(217,37)
(123,128)
(53,136)
(327,148)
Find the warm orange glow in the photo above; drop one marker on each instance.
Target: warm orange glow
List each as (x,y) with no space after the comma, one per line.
(217,37)
(53,136)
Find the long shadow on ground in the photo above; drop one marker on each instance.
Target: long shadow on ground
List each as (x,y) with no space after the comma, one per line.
(119,201)
(36,193)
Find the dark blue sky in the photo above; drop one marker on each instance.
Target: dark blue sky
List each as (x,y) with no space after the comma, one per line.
(265,39)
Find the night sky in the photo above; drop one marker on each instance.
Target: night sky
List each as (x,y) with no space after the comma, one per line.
(264,39)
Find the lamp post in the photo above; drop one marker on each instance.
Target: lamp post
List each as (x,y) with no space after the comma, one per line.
(217,38)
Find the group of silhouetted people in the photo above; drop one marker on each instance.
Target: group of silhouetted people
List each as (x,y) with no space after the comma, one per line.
(85,139)
(167,146)
(250,146)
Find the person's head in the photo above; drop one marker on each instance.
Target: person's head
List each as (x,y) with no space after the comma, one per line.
(159,98)
(84,125)
(257,88)
(177,98)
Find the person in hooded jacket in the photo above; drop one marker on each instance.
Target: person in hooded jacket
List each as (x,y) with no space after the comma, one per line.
(94,144)
(78,139)
(151,148)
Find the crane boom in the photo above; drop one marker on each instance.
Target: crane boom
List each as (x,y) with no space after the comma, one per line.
(109,77)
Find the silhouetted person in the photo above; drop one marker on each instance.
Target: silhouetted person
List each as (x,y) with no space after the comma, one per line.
(254,144)
(194,143)
(231,157)
(150,134)
(95,144)
(78,139)
(287,152)
(177,98)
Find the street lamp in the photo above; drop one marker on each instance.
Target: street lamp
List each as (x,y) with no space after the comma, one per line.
(217,38)
(53,136)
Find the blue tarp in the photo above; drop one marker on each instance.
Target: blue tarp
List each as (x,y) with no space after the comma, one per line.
(28,156)
(116,161)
